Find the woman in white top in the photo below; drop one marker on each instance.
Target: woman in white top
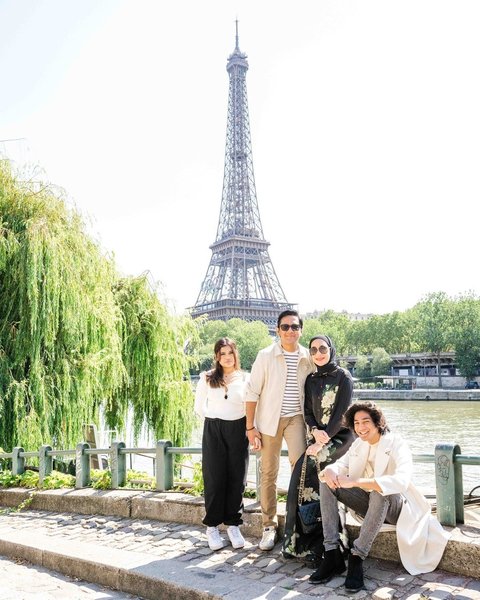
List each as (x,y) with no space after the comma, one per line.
(220,400)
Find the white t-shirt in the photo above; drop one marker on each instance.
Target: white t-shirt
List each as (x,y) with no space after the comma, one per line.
(291,397)
(370,465)
(211,402)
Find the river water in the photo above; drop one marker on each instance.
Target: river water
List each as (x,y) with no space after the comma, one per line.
(424,424)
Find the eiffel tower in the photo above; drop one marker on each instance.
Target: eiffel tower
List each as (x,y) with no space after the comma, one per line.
(240,281)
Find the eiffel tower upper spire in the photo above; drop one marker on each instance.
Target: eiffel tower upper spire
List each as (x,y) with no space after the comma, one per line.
(240,280)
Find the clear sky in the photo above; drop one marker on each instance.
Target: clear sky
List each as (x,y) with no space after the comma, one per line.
(365,121)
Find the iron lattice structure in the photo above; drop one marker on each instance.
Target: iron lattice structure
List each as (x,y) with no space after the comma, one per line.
(240,281)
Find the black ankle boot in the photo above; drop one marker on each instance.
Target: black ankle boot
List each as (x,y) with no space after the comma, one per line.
(331,565)
(354,579)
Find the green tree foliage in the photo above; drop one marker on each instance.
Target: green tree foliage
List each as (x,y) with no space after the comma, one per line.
(249,337)
(73,336)
(363,367)
(466,334)
(381,362)
(434,320)
(156,386)
(393,331)
(335,325)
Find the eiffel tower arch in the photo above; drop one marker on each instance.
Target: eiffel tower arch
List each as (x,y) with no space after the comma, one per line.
(240,280)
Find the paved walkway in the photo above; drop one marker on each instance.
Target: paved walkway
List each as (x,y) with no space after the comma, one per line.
(20,580)
(158,554)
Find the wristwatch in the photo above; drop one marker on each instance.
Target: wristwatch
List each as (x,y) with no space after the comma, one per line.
(313,428)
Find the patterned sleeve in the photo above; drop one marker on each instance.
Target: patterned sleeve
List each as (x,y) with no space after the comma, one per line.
(343,399)
(308,407)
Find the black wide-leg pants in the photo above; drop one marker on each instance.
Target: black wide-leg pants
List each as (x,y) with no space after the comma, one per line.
(224,468)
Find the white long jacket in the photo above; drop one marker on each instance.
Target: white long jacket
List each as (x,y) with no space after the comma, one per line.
(420,537)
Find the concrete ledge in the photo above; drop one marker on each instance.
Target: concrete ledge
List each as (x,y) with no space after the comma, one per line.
(133,572)
(85,501)
(462,554)
(418,394)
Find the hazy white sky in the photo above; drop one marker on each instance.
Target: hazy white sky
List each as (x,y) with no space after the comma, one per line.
(365,125)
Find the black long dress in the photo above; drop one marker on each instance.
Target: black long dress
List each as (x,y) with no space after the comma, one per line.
(328,394)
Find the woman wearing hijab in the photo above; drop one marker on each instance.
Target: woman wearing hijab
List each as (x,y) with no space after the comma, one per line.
(328,394)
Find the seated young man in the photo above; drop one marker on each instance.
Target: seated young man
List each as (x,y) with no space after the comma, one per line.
(373,480)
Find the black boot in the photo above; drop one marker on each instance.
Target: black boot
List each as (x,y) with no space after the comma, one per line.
(331,565)
(354,579)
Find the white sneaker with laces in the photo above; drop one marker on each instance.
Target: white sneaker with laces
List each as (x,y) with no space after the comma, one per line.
(269,538)
(235,536)
(214,539)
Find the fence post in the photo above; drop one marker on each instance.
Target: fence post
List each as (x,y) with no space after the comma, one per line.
(458,474)
(163,466)
(82,465)
(45,463)
(18,462)
(448,483)
(118,465)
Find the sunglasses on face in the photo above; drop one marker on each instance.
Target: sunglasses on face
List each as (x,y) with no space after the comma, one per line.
(321,349)
(285,327)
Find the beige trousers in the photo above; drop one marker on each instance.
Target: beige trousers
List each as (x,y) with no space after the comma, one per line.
(292,429)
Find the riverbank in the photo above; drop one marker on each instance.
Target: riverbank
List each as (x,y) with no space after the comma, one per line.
(418,394)
(153,545)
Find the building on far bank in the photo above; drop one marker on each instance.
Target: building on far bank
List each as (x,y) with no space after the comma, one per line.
(417,369)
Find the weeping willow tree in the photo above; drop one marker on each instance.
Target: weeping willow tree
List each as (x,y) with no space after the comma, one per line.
(157,386)
(74,337)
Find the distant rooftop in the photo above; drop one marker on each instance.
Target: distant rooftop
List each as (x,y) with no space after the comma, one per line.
(352,316)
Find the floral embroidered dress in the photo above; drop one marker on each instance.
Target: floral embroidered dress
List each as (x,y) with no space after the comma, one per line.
(328,394)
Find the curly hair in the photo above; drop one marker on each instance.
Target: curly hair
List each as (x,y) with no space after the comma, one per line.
(372,409)
(215,376)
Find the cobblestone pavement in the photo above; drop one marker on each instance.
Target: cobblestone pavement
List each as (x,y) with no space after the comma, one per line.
(384,580)
(20,580)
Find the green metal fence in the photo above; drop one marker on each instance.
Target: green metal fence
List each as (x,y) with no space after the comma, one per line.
(447,458)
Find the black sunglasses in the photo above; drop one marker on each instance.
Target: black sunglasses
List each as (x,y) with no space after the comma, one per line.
(285,327)
(321,349)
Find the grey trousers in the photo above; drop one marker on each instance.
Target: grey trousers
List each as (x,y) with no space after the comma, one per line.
(372,506)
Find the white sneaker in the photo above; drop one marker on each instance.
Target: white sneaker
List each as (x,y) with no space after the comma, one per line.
(214,539)
(235,536)
(269,538)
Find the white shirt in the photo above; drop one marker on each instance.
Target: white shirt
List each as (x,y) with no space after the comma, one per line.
(370,464)
(211,402)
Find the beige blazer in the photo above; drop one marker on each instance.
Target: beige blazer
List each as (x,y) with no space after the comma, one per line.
(420,537)
(267,385)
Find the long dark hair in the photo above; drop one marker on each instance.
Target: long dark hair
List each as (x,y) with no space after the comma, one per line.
(215,376)
(372,409)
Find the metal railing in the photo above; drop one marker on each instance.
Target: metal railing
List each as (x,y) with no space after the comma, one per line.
(448,462)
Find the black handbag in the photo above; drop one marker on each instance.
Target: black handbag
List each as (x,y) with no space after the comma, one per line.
(309,515)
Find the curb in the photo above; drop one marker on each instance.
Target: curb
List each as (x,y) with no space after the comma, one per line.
(462,554)
(133,572)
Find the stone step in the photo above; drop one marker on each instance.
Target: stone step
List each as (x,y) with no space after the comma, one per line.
(462,554)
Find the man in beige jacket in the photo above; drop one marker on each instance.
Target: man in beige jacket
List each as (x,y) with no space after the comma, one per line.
(274,409)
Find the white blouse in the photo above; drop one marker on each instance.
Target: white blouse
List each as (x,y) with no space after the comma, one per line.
(211,402)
